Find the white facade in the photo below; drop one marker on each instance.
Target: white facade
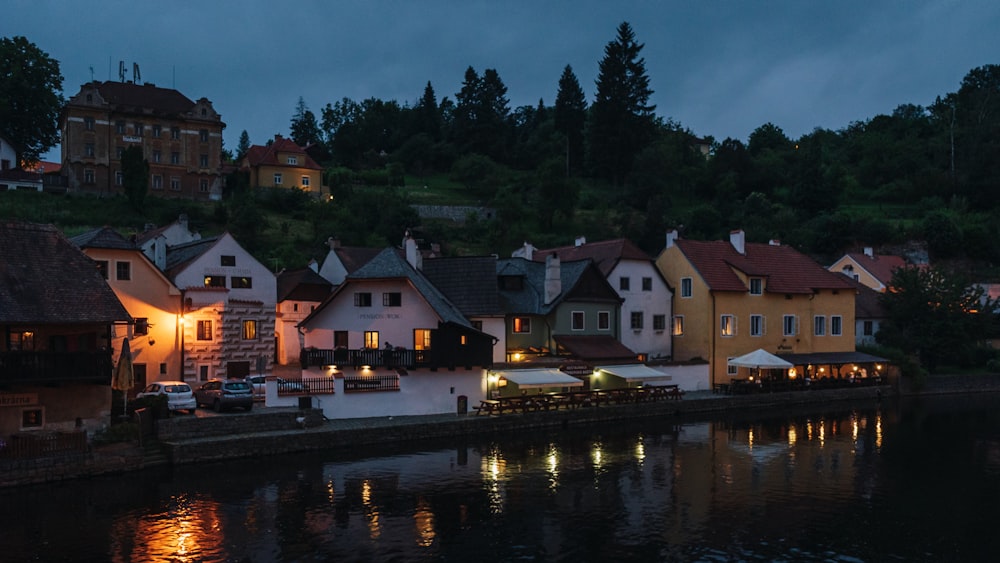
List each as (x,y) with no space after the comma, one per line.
(648,295)
(290,341)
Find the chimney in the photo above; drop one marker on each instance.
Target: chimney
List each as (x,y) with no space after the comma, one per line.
(774,242)
(412,252)
(160,252)
(182,220)
(333,243)
(671,237)
(580,241)
(738,239)
(553,278)
(526,251)
(869,252)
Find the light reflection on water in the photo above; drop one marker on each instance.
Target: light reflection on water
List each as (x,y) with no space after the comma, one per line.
(861,484)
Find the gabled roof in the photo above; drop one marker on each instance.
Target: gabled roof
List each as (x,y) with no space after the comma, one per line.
(605,254)
(470,282)
(353,257)
(880,267)
(530,299)
(45,279)
(303,285)
(181,255)
(267,155)
(785,269)
(595,348)
(390,265)
(163,101)
(104,237)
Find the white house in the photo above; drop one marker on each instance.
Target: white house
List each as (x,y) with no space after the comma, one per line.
(299,293)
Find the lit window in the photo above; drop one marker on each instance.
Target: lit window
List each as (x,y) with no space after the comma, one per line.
(685,287)
(362,299)
(249,330)
(727,325)
(371,339)
(836,325)
(578,319)
(204,330)
(756,325)
(678,329)
(819,325)
(215,281)
(522,325)
(241,282)
(603,320)
(421,339)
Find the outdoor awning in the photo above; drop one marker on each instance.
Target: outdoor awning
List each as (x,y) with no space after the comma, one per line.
(536,378)
(833,358)
(635,373)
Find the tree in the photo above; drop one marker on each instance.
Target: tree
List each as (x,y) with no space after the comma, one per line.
(936,315)
(428,115)
(30,97)
(135,176)
(480,120)
(571,117)
(305,130)
(622,122)
(243,147)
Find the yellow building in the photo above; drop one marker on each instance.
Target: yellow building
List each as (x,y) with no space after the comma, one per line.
(733,297)
(283,164)
(868,268)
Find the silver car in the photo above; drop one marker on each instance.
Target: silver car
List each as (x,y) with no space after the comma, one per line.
(224,394)
(179,395)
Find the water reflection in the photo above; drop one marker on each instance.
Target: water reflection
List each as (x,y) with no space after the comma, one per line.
(861,484)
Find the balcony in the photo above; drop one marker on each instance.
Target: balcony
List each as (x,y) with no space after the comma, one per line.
(51,368)
(394,358)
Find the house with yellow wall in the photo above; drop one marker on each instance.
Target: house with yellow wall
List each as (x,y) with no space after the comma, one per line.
(283,164)
(733,297)
(868,268)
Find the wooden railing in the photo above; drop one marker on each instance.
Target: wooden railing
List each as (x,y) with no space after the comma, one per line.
(371,383)
(36,445)
(311,357)
(55,367)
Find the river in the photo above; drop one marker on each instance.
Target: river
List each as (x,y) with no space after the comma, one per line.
(914,480)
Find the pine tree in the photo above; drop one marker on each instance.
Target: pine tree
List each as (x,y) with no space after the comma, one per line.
(428,115)
(304,127)
(622,122)
(243,147)
(571,117)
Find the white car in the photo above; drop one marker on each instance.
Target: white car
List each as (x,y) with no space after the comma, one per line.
(179,394)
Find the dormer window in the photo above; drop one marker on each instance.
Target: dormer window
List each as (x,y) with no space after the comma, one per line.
(511,283)
(756,286)
(293,160)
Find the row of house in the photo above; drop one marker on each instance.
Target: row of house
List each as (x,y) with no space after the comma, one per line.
(402,330)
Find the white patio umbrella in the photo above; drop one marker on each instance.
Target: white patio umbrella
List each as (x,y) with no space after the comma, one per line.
(760,359)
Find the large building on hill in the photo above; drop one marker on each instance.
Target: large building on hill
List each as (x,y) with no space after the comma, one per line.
(181,140)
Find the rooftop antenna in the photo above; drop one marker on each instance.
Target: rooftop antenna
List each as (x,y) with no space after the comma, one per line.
(121,71)
(136,76)
(91,73)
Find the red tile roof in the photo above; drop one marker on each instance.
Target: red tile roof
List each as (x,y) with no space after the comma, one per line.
(605,254)
(785,269)
(881,267)
(267,155)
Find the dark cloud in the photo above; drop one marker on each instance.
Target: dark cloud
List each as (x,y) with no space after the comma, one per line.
(719,68)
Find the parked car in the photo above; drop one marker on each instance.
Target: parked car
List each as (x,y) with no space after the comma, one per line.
(258,385)
(224,394)
(179,394)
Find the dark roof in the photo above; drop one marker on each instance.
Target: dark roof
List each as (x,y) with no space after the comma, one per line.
(182,254)
(880,267)
(530,299)
(104,237)
(867,303)
(595,348)
(267,155)
(353,257)
(162,101)
(45,279)
(303,285)
(605,254)
(785,269)
(470,282)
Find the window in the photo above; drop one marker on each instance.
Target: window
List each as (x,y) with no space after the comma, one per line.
(292,160)
(578,320)
(88,176)
(157,156)
(478,325)
(32,418)
(305,181)
(157,130)
(175,183)
(522,325)
(836,325)
(730,368)
(756,286)
(636,320)
(88,123)
(203,373)
(88,149)
(819,325)
(175,157)
(659,322)
(241,282)
(119,178)
(392,299)
(362,299)
(203,185)
(249,329)
(227,260)
(119,152)
(175,133)
(203,135)
(868,328)
(204,330)
(371,339)
(340,339)
(678,329)
(603,320)
(647,284)
(102,267)
(141,326)
(120,127)
(756,325)
(511,283)
(277,178)
(685,287)
(789,326)
(421,339)
(123,271)
(215,281)
(139,129)
(623,283)
(727,325)
(203,160)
